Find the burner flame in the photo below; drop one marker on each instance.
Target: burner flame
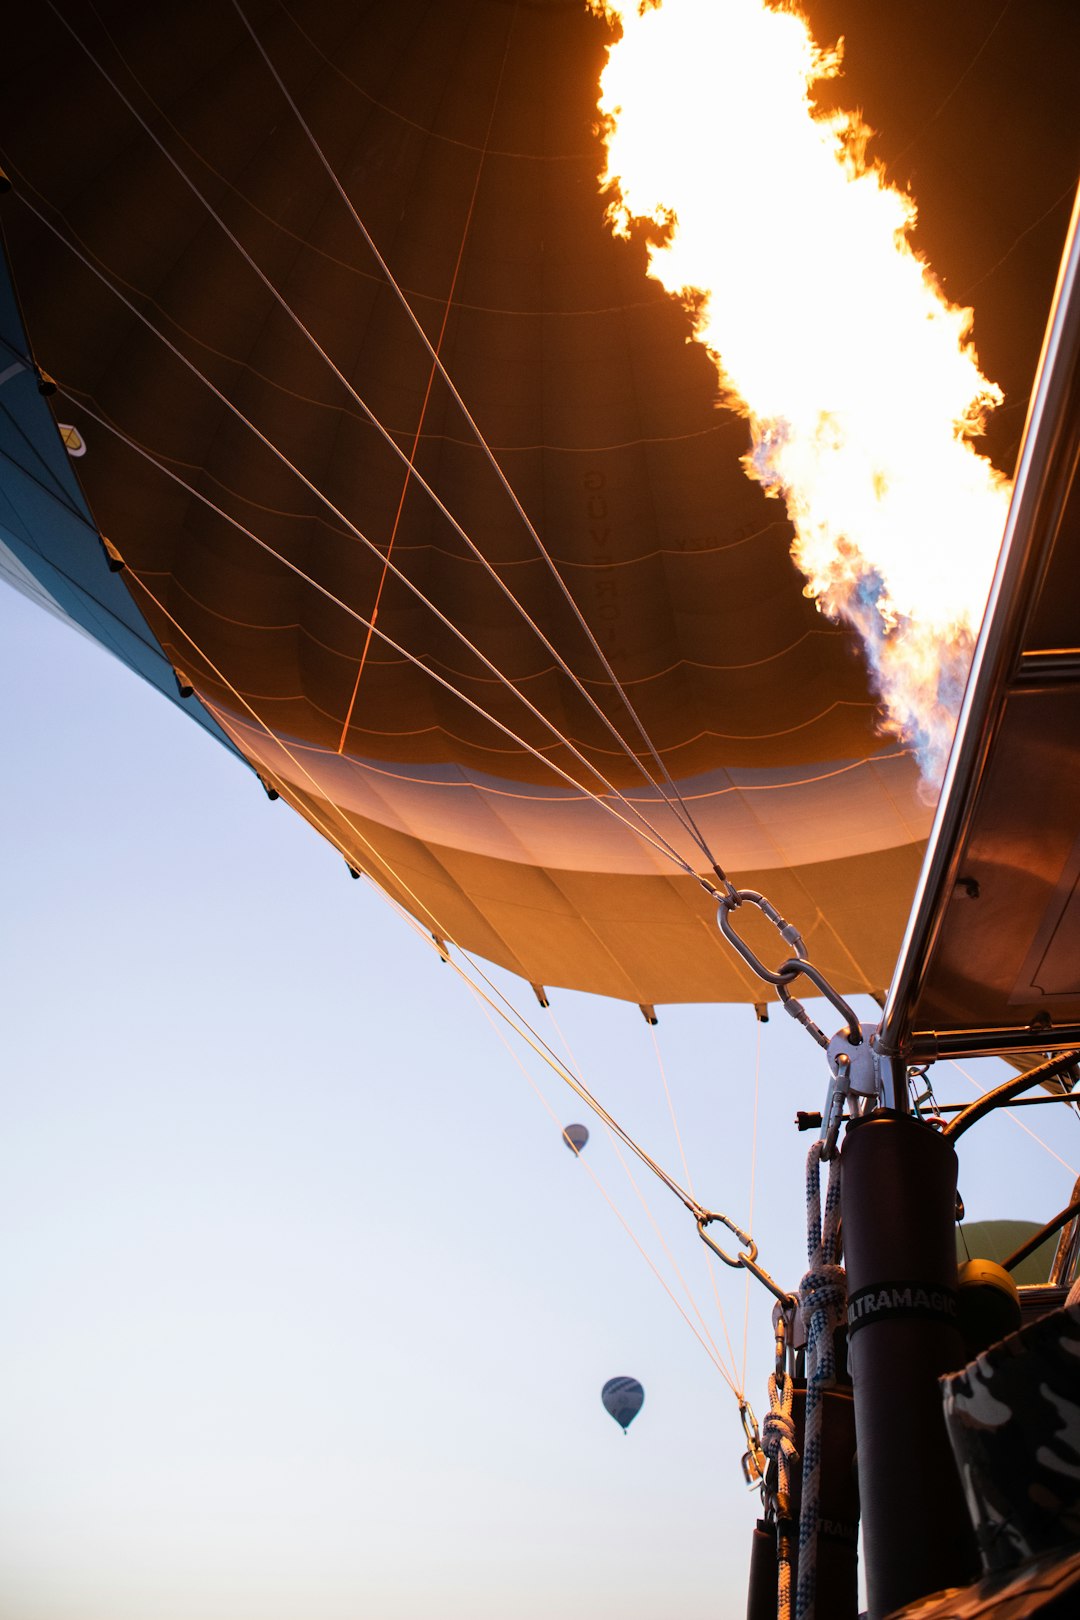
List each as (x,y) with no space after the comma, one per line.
(830,334)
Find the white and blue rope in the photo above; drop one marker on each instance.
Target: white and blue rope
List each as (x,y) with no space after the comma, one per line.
(822,1301)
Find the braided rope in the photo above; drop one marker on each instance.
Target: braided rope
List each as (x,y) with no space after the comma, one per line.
(778,1440)
(822,1300)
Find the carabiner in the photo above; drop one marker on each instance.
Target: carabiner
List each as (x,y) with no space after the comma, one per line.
(747,1260)
(754,1462)
(744,1238)
(787,931)
(798,964)
(783,1319)
(833,1115)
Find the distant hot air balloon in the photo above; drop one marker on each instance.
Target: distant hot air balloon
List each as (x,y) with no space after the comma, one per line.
(575,1137)
(623,1398)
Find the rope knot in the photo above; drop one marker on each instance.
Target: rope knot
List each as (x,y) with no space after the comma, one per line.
(778,1431)
(824,1289)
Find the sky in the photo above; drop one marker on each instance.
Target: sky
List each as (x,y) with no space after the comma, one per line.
(307,1308)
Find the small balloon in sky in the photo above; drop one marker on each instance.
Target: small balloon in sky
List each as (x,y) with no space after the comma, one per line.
(623,1398)
(575,1137)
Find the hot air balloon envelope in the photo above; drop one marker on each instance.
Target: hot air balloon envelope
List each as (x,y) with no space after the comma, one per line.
(575,1137)
(623,1398)
(226,342)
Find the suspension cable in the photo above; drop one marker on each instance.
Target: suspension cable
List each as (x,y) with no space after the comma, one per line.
(660,842)
(646,831)
(728,896)
(732,1379)
(690,1184)
(515,1021)
(432,374)
(677,804)
(706,1341)
(753,1185)
(392,444)
(507,1011)
(512,1017)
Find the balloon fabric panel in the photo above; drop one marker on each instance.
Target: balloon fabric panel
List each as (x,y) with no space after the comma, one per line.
(449,753)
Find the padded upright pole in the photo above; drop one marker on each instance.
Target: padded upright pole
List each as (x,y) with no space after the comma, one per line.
(838,1519)
(898,1203)
(762,1587)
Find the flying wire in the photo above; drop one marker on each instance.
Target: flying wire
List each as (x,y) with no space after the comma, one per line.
(708,1256)
(657,838)
(753,1186)
(516,1021)
(633,809)
(690,1202)
(511,1014)
(492,998)
(1069,192)
(705,1339)
(676,803)
(432,374)
(731,1377)
(646,831)
(676,807)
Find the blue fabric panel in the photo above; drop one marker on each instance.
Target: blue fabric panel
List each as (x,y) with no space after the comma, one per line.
(50,549)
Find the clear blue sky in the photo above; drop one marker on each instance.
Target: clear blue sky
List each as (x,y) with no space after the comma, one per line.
(306,1307)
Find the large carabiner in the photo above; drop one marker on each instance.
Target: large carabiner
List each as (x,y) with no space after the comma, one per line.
(747,1260)
(727,903)
(790,970)
(744,1238)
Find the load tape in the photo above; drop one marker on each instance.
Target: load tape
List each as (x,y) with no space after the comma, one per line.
(891,1301)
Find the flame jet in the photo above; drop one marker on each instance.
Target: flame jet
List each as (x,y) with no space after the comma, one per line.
(830,333)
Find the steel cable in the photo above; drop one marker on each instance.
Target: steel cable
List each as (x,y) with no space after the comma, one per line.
(676,803)
(391,443)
